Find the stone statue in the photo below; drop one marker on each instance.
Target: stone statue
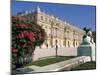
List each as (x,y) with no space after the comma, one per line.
(88,38)
(87,47)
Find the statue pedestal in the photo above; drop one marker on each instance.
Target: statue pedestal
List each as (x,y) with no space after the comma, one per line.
(87,50)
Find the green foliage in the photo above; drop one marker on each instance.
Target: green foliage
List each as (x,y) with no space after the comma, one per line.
(37,29)
(25,37)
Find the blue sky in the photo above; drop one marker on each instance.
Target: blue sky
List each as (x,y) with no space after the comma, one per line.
(79,15)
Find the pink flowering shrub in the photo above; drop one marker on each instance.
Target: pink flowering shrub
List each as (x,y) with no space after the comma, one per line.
(25,37)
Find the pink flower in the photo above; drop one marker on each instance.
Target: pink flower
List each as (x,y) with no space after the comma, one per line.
(22,19)
(26,33)
(31,36)
(21,35)
(14,50)
(23,25)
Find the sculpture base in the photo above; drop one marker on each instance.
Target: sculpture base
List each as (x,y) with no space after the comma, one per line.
(87,50)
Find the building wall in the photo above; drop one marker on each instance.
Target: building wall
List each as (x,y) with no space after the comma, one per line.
(60,33)
(50,52)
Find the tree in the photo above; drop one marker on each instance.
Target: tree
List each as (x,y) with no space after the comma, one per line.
(26,35)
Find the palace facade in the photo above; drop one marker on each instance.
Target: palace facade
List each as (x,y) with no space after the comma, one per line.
(60,33)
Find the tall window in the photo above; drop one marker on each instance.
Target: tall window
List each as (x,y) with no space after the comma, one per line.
(68,34)
(74,42)
(41,17)
(68,44)
(33,17)
(46,19)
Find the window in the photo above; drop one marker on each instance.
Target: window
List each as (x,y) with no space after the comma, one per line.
(74,42)
(68,44)
(41,17)
(34,17)
(64,43)
(46,19)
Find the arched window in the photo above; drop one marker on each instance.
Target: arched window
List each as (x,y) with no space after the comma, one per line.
(68,44)
(64,43)
(74,42)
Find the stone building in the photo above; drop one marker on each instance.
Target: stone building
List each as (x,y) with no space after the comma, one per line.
(60,33)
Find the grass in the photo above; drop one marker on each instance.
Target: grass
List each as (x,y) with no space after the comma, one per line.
(85,66)
(49,61)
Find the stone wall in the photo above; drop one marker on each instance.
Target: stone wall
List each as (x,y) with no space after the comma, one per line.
(44,53)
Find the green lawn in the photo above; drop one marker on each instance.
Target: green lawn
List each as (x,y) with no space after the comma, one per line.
(86,66)
(49,61)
